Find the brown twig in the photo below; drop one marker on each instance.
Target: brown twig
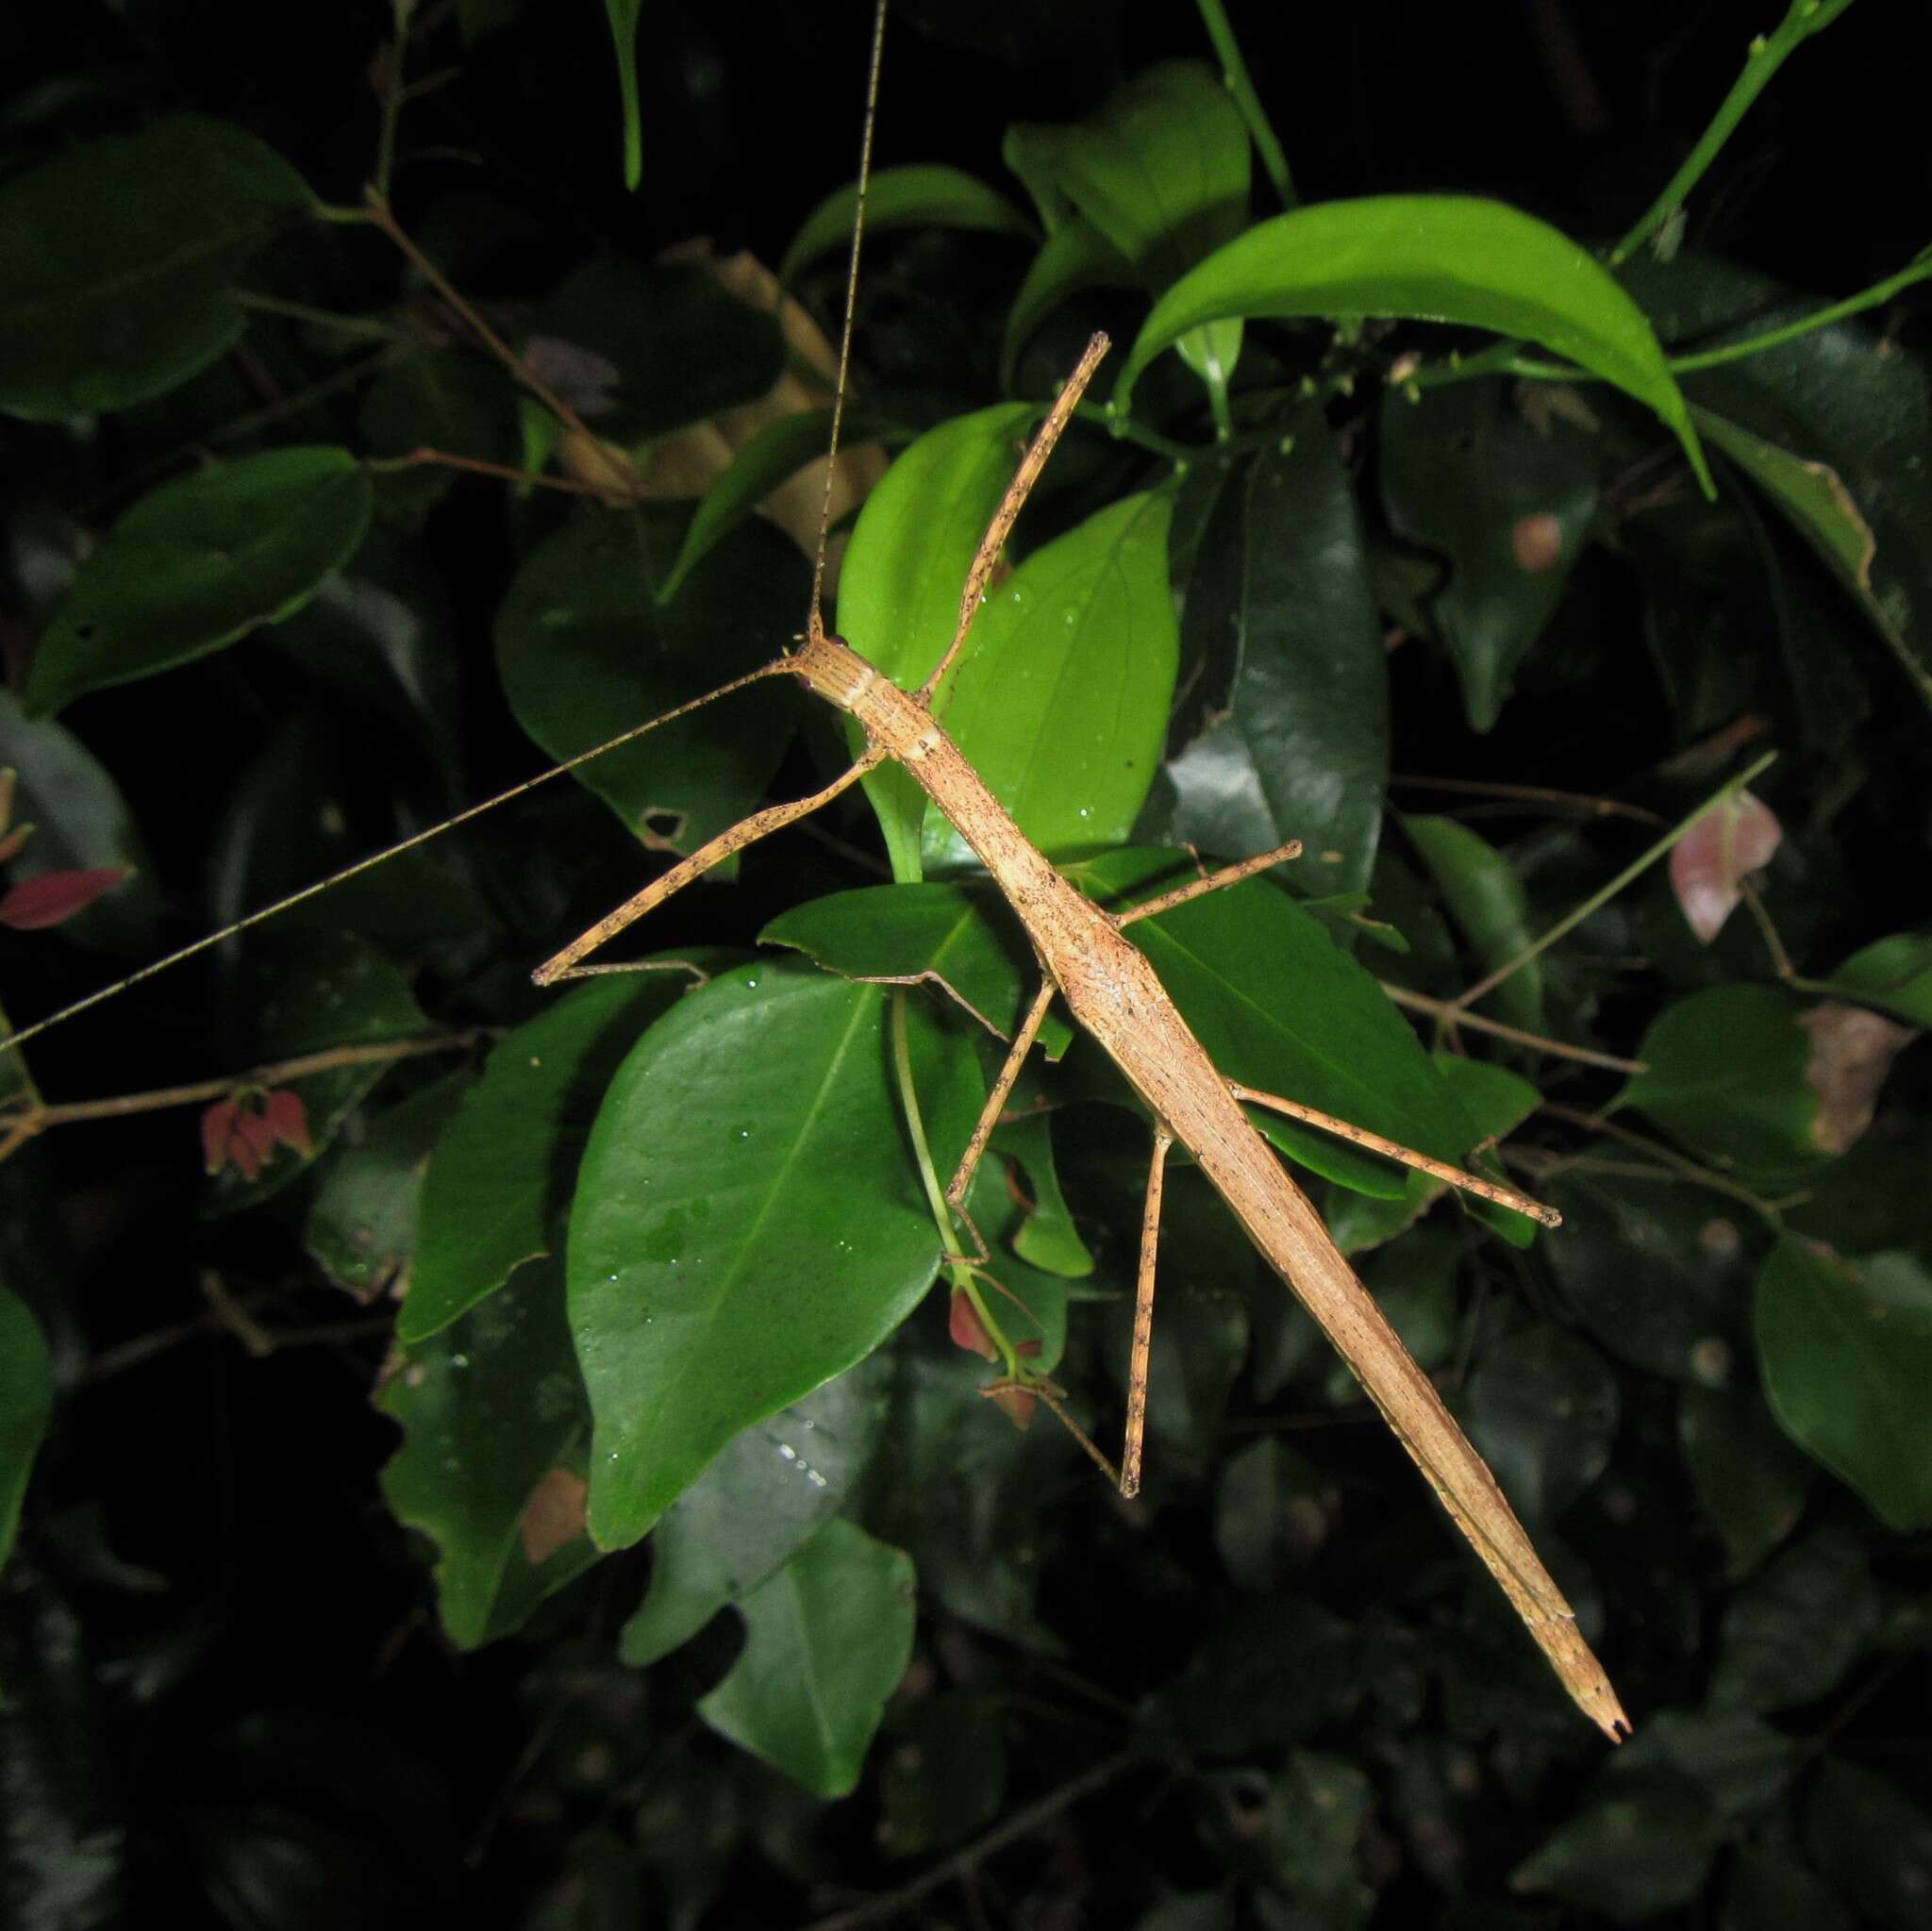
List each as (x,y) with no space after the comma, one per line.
(1452,1015)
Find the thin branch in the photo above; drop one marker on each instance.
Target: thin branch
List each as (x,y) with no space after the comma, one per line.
(1529,794)
(1683,1168)
(1451,1014)
(1023,1823)
(1234,77)
(426,457)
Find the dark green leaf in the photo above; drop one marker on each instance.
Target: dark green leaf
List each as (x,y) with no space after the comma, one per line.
(1281,1010)
(746,1226)
(769,1491)
(1414,1284)
(491,1464)
(1724,1074)
(1271,1669)
(1542,1408)
(26,1401)
(1873,1846)
(1507,502)
(1073,257)
(1644,1845)
(587,651)
(1750,1479)
(1771,1890)
(827,1640)
(121,257)
(1267,1512)
(915,196)
(1295,742)
(1793,1631)
(443,401)
(638,351)
(1435,258)
(1484,895)
(362,1221)
(1741,1761)
(1847,1357)
(624,35)
(1872,1197)
(505,1168)
(1657,1269)
(199,563)
(944,1774)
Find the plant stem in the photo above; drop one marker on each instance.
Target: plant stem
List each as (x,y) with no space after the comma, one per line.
(1632,870)
(1234,77)
(1803,18)
(323,318)
(1453,1016)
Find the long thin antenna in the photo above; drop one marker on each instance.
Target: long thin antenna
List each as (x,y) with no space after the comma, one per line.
(872,113)
(13,1042)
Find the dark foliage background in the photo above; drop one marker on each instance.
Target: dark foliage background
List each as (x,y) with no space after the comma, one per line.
(1273,1694)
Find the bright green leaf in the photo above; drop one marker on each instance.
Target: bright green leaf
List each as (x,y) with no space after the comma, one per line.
(746,1226)
(120,258)
(198,564)
(504,1170)
(916,197)
(1847,1357)
(1432,257)
(1073,257)
(827,1640)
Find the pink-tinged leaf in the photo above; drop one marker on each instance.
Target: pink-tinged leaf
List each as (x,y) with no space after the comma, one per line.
(251,1144)
(1851,1051)
(967,1330)
(553,1518)
(35,904)
(1736,837)
(216,1130)
(288,1120)
(1016,1403)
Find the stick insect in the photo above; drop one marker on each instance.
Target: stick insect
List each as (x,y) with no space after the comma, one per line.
(1087,960)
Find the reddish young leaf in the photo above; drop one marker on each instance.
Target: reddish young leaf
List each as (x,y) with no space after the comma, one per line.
(967,1330)
(1735,837)
(35,904)
(217,1129)
(288,1120)
(1016,1403)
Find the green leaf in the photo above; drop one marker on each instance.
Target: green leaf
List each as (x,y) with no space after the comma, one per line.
(362,1221)
(444,401)
(1433,258)
(769,1491)
(1657,1269)
(1742,1762)
(1463,469)
(772,456)
(1048,1236)
(827,1640)
(1873,1844)
(638,351)
(921,195)
(1271,1669)
(198,564)
(1771,1890)
(1269,1515)
(1414,1285)
(121,257)
(1160,169)
(1484,895)
(1893,974)
(1643,1846)
(899,585)
(1542,1408)
(81,823)
(1295,742)
(1749,1477)
(746,1226)
(1847,1357)
(1875,1196)
(1791,1632)
(623,17)
(945,1776)
(1062,703)
(1073,257)
(26,1401)
(586,651)
(1725,1075)
(491,1464)
(504,1170)
(1334,1042)
(1318,1808)
(959,934)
